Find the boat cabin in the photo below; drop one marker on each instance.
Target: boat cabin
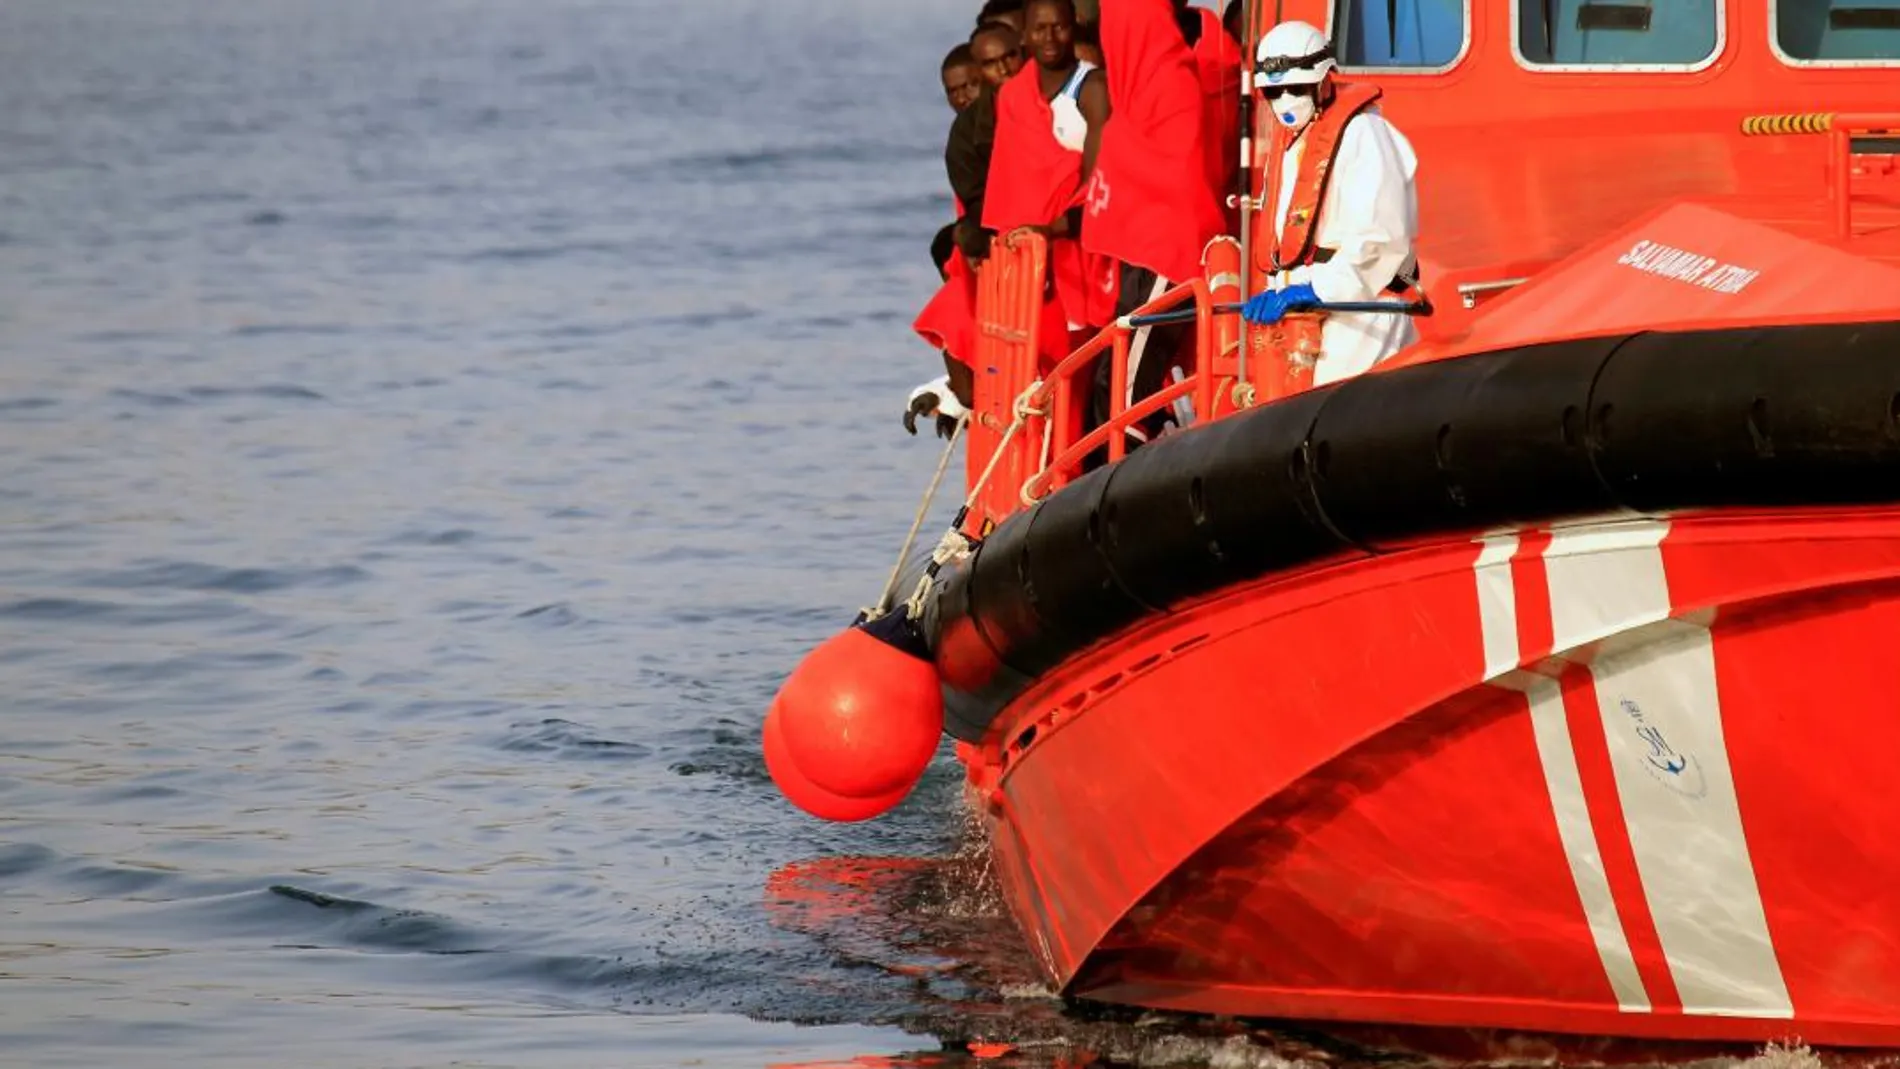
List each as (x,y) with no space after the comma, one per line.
(1543,124)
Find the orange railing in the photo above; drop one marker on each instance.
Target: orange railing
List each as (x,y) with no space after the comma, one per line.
(1009,317)
(1845,131)
(1032,411)
(1841,130)
(1069,383)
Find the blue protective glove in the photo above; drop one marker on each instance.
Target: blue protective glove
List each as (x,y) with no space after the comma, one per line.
(1270,306)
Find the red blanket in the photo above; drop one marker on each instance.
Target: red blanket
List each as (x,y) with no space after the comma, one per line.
(1033,179)
(1153,200)
(948,322)
(1217,60)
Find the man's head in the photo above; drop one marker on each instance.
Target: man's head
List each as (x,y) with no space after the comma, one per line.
(961,80)
(998,53)
(1008,12)
(1188,18)
(1049,33)
(1293,71)
(1088,43)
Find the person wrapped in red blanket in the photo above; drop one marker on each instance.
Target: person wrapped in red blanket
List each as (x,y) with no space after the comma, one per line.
(1049,122)
(948,322)
(1168,157)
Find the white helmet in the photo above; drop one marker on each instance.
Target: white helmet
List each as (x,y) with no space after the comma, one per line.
(1292,53)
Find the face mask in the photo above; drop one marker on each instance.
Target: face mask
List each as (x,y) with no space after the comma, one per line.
(1294,112)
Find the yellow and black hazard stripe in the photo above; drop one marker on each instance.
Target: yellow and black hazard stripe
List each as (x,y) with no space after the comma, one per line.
(1814,122)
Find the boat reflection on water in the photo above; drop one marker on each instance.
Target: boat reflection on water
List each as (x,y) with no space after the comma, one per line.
(939,926)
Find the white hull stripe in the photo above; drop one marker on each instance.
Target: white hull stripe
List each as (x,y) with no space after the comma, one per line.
(1497,604)
(1579,838)
(1604,579)
(1497,614)
(1662,721)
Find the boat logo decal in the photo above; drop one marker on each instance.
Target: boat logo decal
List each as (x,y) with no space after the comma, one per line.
(1678,771)
(1667,261)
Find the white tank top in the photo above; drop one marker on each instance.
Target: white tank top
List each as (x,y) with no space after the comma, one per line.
(1069,127)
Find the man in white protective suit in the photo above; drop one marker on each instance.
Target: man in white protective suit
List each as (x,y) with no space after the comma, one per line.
(1340,212)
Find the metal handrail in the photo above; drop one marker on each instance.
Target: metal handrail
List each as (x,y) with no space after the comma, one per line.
(1043,482)
(1468,291)
(1057,396)
(1841,130)
(1846,128)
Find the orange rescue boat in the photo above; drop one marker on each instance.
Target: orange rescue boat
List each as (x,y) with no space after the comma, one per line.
(1541,678)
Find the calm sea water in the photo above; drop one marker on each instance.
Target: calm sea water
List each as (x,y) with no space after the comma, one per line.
(430,431)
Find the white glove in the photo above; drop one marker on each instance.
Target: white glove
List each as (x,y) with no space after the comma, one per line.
(935,398)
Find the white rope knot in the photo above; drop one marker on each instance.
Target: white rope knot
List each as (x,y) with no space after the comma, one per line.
(952,548)
(1024,408)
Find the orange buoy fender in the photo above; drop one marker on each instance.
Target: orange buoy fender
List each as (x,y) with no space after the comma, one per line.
(807,795)
(861,717)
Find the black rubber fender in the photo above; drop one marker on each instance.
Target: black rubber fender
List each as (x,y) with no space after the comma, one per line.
(976,681)
(1763,416)
(1255,501)
(1462,445)
(1000,602)
(1067,580)
(1645,423)
(1216,505)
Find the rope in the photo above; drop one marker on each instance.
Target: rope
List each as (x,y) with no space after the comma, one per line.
(954,545)
(1048,442)
(1042,465)
(917,522)
(1023,410)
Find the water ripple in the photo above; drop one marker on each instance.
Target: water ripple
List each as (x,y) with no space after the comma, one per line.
(75,610)
(366,925)
(569,739)
(274,391)
(195,575)
(23,859)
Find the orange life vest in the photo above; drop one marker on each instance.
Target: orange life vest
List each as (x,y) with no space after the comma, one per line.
(1292,345)
(1295,245)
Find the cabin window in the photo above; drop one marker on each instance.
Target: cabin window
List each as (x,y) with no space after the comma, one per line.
(1809,31)
(1419,34)
(1623,33)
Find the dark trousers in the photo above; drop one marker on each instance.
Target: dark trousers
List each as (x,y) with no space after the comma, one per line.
(1151,352)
